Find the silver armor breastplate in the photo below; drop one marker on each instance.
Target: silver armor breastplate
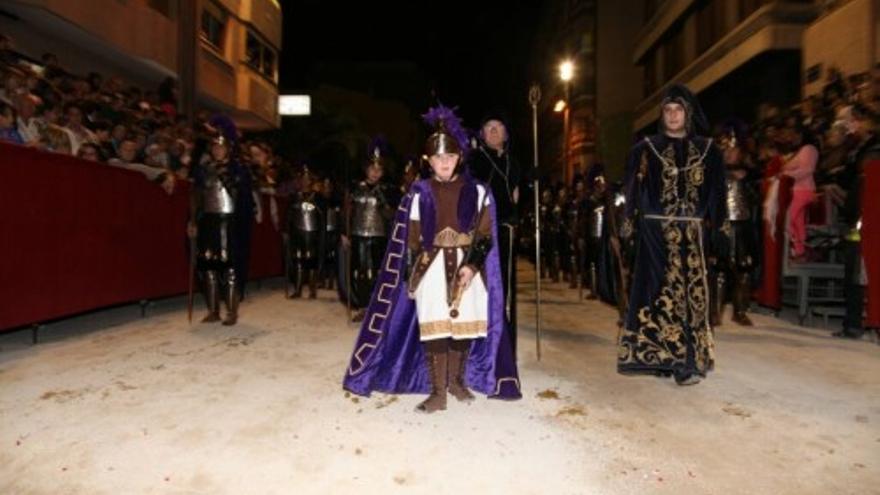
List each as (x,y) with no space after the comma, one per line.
(305,216)
(598,222)
(367,219)
(737,201)
(216,199)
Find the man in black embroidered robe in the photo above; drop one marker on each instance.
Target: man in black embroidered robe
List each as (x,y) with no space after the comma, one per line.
(675,188)
(493,163)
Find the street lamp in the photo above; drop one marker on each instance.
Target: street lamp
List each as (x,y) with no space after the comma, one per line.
(566,70)
(560,106)
(566,73)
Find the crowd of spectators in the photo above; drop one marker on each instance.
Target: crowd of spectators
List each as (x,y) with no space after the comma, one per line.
(106,119)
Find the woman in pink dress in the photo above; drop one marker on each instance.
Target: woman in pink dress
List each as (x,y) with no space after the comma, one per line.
(801,168)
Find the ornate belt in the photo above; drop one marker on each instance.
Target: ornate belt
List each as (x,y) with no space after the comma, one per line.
(448,238)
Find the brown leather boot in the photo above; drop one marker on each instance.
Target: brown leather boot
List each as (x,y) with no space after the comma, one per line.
(458,356)
(437,361)
(358,315)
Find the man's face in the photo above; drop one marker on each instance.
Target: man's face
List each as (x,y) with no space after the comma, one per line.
(26,108)
(219,151)
(732,155)
(7,119)
(259,156)
(855,126)
(74,116)
(128,150)
(374,174)
(13,83)
(494,133)
(118,132)
(674,118)
(89,153)
(51,115)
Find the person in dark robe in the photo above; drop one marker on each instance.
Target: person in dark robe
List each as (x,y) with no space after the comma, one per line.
(675,188)
(493,163)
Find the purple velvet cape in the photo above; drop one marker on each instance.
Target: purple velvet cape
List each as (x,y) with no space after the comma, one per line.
(388,355)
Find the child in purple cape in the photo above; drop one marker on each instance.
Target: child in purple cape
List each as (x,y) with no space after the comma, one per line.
(436,317)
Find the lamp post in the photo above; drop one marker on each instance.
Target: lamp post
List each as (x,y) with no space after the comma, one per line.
(566,72)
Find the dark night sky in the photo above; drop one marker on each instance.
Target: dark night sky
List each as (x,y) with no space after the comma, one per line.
(475,55)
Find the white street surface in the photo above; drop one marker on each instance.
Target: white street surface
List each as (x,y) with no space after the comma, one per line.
(109,403)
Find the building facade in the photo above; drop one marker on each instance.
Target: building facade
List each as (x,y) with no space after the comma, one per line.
(225,52)
(725,50)
(844,37)
(567,32)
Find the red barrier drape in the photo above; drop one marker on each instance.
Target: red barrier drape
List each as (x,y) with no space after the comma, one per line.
(77,235)
(769,293)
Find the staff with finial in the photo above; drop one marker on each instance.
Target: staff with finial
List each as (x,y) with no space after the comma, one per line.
(534,98)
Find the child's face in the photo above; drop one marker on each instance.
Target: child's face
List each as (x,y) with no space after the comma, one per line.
(443,165)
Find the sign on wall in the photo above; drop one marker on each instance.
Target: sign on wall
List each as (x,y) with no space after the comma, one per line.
(295,105)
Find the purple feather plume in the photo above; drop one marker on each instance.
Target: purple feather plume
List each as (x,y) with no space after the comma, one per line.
(379,142)
(225,126)
(451,122)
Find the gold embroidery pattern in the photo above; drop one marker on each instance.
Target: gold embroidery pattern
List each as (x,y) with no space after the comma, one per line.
(383,292)
(727,229)
(661,339)
(447,328)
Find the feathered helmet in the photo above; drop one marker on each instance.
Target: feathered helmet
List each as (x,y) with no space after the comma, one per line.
(223,130)
(733,133)
(696,121)
(377,152)
(307,180)
(449,135)
(596,175)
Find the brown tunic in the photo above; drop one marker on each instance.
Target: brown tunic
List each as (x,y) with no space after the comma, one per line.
(448,236)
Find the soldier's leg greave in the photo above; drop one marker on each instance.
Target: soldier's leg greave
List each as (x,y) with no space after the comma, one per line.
(212,295)
(232,297)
